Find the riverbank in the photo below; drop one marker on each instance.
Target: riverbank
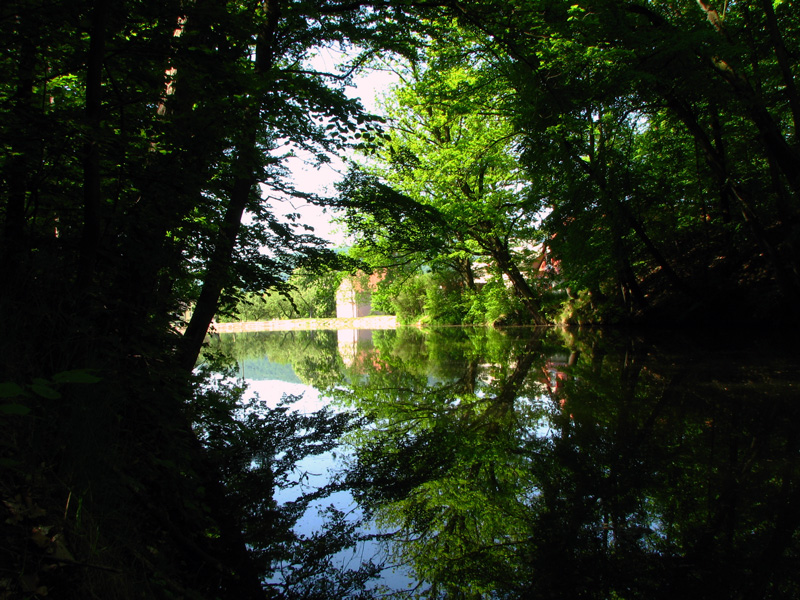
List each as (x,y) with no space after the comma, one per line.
(375,322)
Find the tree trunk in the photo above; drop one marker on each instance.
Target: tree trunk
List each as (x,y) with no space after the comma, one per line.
(662,262)
(628,285)
(500,254)
(784,63)
(776,145)
(18,168)
(247,166)
(464,268)
(148,254)
(716,161)
(90,238)
(774,142)
(216,275)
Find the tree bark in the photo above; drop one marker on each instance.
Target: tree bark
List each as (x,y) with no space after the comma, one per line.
(148,254)
(500,254)
(18,167)
(774,142)
(662,262)
(216,275)
(246,167)
(92,194)
(716,161)
(784,63)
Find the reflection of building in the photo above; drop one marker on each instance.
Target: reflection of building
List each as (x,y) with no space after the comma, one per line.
(349,340)
(358,353)
(554,376)
(354,296)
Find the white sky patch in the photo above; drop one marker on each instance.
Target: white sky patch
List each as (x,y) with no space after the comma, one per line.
(368,87)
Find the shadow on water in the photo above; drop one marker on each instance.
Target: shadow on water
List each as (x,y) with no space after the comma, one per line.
(543,463)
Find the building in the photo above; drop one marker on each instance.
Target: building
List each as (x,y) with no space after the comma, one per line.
(354,296)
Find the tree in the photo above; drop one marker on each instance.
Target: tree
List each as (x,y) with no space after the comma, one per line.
(452,150)
(593,81)
(307,294)
(659,135)
(585,466)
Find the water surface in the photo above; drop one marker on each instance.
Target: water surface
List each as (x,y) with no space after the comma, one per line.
(539,463)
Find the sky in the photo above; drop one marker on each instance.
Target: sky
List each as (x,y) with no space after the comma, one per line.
(368,87)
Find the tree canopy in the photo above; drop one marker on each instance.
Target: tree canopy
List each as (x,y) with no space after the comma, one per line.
(658,138)
(594,465)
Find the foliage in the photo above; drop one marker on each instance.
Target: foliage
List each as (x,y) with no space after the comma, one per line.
(538,462)
(256,449)
(307,294)
(640,121)
(650,145)
(313,355)
(405,297)
(443,191)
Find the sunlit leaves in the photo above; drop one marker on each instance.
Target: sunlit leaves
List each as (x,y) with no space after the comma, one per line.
(452,153)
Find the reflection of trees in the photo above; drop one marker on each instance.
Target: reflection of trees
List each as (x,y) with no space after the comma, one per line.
(440,463)
(644,473)
(313,354)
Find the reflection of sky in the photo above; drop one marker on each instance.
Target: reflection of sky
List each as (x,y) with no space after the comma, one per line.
(272,392)
(535,412)
(315,471)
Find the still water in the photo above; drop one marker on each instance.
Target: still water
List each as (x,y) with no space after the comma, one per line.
(542,463)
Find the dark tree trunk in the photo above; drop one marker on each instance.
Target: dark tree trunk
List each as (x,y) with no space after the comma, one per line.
(629,286)
(148,254)
(464,268)
(716,162)
(222,258)
(662,262)
(500,254)
(91,166)
(724,199)
(774,142)
(784,63)
(18,167)
(217,273)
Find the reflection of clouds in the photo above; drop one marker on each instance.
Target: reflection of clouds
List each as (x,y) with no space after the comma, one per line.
(273,391)
(314,472)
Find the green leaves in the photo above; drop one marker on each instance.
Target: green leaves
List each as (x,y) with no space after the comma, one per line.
(446,188)
(634,118)
(76,376)
(9,389)
(41,388)
(14,408)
